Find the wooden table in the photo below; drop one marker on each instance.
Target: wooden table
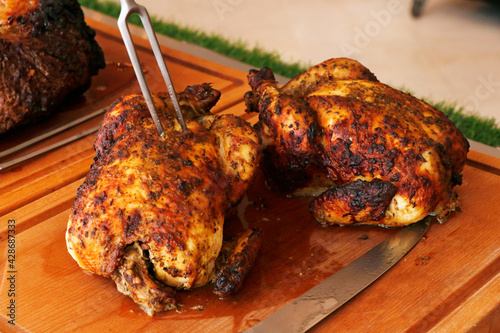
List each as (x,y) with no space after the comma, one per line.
(450,282)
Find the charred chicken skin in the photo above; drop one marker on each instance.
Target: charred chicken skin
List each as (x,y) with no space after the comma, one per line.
(150,213)
(48,54)
(371,154)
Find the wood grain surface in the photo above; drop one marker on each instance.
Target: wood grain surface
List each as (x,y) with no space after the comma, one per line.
(450,282)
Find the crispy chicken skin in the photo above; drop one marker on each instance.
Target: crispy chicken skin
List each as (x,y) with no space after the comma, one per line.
(48,54)
(371,154)
(161,201)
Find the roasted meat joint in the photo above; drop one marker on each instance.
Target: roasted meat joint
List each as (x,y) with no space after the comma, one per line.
(370,154)
(48,54)
(150,213)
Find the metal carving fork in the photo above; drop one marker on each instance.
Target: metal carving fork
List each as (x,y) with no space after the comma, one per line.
(129,7)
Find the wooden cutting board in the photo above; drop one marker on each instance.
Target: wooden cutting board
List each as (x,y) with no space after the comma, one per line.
(450,282)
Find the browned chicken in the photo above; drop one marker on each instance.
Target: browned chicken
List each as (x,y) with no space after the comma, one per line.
(371,154)
(48,55)
(150,213)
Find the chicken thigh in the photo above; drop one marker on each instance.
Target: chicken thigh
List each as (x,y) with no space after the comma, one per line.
(370,153)
(150,213)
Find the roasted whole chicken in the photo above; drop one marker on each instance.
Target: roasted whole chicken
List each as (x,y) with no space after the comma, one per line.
(150,213)
(370,153)
(48,55)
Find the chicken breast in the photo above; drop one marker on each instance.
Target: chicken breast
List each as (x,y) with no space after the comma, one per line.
(370,153)
(150,213)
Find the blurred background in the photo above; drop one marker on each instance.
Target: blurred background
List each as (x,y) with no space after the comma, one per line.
(441,50)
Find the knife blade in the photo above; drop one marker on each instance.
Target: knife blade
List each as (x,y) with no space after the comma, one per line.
(53,132)
(316,304)
(44,150)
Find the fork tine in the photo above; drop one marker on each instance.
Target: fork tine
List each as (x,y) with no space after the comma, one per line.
(129,7)
(153,40)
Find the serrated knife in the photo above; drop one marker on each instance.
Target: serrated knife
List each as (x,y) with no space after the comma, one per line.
(320,301)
